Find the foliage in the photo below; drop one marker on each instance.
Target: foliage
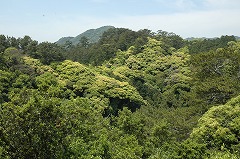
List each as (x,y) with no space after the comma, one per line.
(5,84)
(161,74)
(152,95)
(219,127)
(100,89)
(110,42)
(205,45)
(170,39)
(51,121)
(216,74)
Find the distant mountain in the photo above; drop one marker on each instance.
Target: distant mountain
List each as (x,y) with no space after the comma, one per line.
(204,38)
(63,40)
(237,37)
(93,36)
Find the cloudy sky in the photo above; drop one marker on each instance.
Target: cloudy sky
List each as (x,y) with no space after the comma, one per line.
(49,20)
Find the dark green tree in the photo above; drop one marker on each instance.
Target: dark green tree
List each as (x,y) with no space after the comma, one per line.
(3,43)
(48,52)
(24,42)
(216,74)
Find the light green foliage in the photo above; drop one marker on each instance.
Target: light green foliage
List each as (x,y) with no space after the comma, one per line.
(29,129)
(48,127)
(45,81)
(219,127)
(83,128)
(221,155)
(102,90)
(23,80)
(132,123)
(35,66)
(126,147)
(12,56)
(71,79)
(160,74)
(59,114)
(116,89)
(142,103)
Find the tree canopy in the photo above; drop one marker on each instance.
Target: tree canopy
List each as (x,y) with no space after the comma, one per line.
(131,94)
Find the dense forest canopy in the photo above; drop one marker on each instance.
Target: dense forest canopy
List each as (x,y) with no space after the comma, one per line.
(131,94)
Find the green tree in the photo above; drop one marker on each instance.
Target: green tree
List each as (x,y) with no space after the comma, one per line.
(31,48)
(30,130)
(14,42)
(218,129)
(5,84)
(24,42)
(205,45)
(3,43)
(48,52)
(170,39)
(12,56)
(160,73)
(216,74)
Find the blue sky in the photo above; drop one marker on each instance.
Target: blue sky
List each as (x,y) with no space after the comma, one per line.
(49,20)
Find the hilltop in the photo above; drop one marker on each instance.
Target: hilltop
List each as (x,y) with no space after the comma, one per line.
(93,36)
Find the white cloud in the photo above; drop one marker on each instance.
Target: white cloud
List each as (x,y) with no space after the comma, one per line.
(179,4)
(198,24)
(222,4)
(194,24)
(200,4)
(221,18)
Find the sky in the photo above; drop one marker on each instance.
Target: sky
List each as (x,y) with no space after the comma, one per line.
(49,20)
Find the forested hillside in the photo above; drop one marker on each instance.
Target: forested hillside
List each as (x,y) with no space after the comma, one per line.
(92,35)
(130,95)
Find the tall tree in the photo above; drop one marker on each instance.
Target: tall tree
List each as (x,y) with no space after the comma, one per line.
(3,43)
(216,74)
(48,52)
